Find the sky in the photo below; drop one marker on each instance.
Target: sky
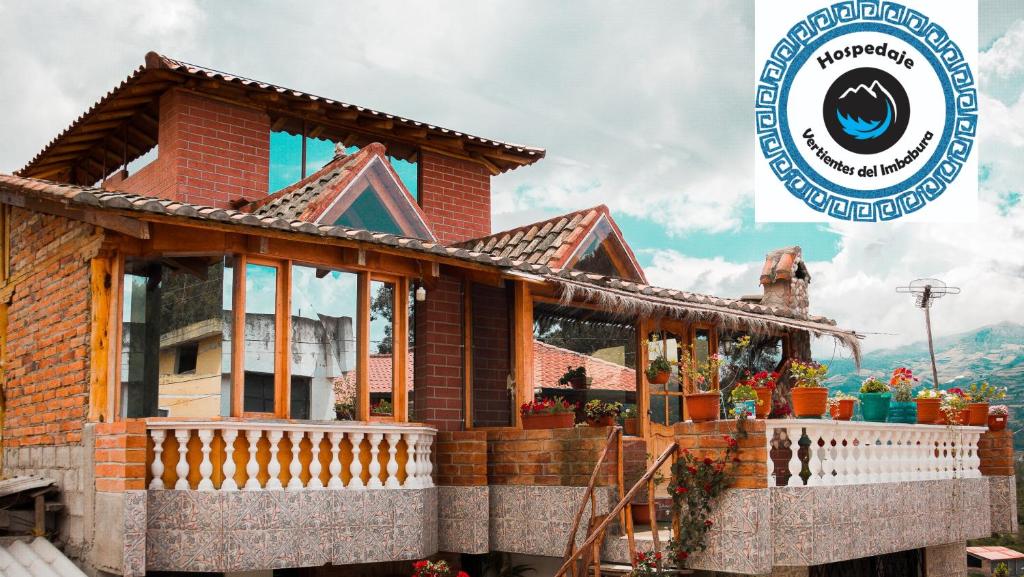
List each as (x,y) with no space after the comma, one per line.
(645,107)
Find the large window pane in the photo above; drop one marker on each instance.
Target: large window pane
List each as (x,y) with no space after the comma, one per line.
(382,350)
(323,341)
(260,336)
(176,338)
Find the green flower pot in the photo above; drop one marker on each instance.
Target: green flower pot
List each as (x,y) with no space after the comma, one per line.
(874,407)
(903,412)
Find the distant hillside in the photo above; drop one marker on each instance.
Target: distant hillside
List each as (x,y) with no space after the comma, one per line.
(994,353)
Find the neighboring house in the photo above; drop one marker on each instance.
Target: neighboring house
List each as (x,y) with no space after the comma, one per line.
(985,559)
(175,336)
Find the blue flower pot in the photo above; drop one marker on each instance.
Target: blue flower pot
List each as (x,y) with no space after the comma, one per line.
(874,407)
(744,408)
(903,412)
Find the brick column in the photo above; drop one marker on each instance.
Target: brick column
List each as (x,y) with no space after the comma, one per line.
(995,449)
(460,458)
(120,456)
(708,440)
(438,357)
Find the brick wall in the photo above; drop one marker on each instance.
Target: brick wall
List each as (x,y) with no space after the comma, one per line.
(460,458)
(491,406)
(47,373)
(708,440)
(437,357)
(120,456)
(210,152)
(995,449)
(549,457)
(455,195)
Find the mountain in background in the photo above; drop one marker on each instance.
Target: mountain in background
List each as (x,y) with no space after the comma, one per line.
(992,353)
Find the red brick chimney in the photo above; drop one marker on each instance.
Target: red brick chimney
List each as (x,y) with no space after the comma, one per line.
(455,194)
(784,278)
(210,152)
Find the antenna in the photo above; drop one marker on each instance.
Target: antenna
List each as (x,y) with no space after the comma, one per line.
(926,291)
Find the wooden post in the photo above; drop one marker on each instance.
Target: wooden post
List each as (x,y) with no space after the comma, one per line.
(363,347)
(282,334)
(400,354)
(643,399)
(99,385)
(523,323)
(467,352)
(238,337)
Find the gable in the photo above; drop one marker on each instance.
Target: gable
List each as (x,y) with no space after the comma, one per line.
(603,251)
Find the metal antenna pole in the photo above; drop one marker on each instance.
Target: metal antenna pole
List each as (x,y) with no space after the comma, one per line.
(925,291)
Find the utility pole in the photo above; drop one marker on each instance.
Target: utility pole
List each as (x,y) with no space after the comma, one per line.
(925,291)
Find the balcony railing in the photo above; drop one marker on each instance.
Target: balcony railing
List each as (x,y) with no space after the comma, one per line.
(853,453)
(262,455)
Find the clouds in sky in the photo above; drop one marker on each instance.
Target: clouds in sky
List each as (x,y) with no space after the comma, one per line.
(645,107)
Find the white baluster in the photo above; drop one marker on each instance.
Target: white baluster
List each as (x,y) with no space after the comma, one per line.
(931,461)
(182,468)
(885,456)
(229,436)
(770,434)
(356,467)
(426,478)
(411,469)
(814,456)
(314,464)
(334,468)
(870,461)
(295,466)
(794,434)
(853,456)
(274,466)
(374,482)
(157,468)
(841,451)
(899,461)
(252,467)
(392,468)
(829,457)
(206,466)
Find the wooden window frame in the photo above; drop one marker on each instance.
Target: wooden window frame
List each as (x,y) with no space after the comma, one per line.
(282,336)
(399,347)
(712,347)
(682,332)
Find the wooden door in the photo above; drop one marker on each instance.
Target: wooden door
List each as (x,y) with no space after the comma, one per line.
(665,401)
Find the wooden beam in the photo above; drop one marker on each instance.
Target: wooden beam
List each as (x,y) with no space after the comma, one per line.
(378,123)
(101,281)
(522,307)
(363,347)
(643,399)
(400,336)
(345,114)
(282,352)
(467,352)
(238,338)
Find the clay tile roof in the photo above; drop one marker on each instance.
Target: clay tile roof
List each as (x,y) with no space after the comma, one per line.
(995,553)
(550,363)
(783,264)
(292,201)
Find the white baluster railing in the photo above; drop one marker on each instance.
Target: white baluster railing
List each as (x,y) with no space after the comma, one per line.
(260,444)
(855,452)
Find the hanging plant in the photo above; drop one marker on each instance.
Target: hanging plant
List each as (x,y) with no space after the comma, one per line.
(696,485)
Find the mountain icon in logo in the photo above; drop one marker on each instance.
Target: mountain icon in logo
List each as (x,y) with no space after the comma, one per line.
(866,110)
(866,98)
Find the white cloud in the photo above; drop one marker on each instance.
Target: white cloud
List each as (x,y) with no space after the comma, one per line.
(1006,56)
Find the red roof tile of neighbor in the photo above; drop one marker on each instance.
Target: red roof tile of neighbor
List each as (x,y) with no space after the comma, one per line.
(550,363)
(995,553)
(550,242)
(782,264)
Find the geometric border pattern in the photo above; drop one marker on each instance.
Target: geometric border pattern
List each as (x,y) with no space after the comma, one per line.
(959,78)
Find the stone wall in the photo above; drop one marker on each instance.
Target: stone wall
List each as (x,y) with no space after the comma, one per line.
(536,520)
(463,519)
(947,560)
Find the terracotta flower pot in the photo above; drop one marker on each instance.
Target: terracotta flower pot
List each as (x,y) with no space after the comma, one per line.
(764,402)
(556,421)
(978,414)
(928,411)
(843,410)
(631,426)
(605,421)
(809,402)
(641,514)
(661,378)
(960,418)
(997,422)
(580,383)
(703,406)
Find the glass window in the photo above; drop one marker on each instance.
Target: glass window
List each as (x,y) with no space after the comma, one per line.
(323,340)
(260,334)
(176,338)
(666,398)
(374,201)
(601,253)
(382,350)
(285,160)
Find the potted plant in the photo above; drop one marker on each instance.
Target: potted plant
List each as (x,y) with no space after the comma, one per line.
(840,406)
(809,395)
(647,565)
(705,404)
(601,414)
(381,408)
(902,409)
(980,395)
(764,383)
(744,402)
(659,371)
(874,400)
(630,421)
(577,378)
(954,407)
(1001,570)
(543,413)
(928,403)
(998,415)
(425,568)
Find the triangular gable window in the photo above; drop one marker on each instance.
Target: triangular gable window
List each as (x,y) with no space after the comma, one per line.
(603,253)
(376,201)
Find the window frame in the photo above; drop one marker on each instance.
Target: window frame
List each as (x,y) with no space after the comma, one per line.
(399,347)
(282,337)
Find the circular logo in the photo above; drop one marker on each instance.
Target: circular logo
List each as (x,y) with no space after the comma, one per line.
(866,110)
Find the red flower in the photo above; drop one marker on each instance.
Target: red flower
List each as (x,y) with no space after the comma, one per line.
(680,490)
(640,557)
(463,574)
(708,461)
(707,488)
(691,469)
(419,565)
(683,555)
(657,556)
(708,523)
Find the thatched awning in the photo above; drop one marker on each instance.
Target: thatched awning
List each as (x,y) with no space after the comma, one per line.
(632,299)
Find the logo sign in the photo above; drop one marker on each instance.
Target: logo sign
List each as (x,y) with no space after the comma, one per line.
(865,110)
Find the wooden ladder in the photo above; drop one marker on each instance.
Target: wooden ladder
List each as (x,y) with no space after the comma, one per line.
(589,553)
